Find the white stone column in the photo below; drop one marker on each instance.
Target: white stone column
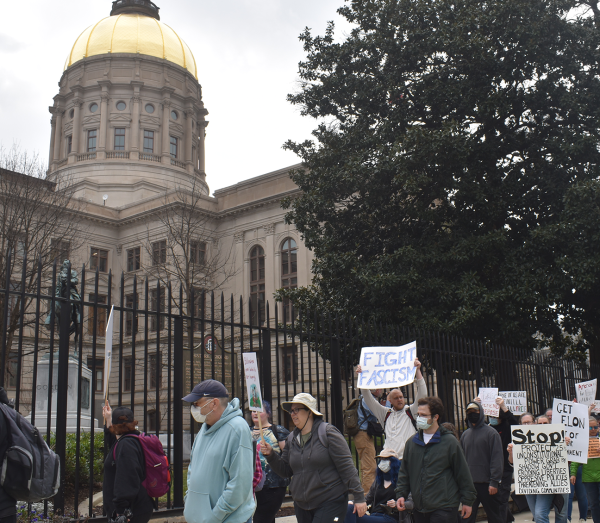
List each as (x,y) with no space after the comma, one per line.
(201,148)
(166,150)
(134,135)
(52,138)
(189,114)
(102,138)
(57,134)
(270,260)
(75,149)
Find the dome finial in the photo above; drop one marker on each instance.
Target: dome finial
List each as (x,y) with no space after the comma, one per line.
(142,7)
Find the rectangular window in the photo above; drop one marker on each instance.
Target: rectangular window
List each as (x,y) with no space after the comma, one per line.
(134,259)
(152,369)
(157,303)
(99,259)
(69,144)
(173,147)
(99,369)
(131,321)
(159,252)
(12,376)
(14,302)
(91,145)
(198,253)
(257,299)
(127,373)
(289,363)
(101,323)
(119,139)
(149,142)
(153,420)
(60,251)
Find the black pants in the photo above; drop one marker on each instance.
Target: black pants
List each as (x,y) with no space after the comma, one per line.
(268,503)
(333,511)
(491,504)
(504,494)
(442,515)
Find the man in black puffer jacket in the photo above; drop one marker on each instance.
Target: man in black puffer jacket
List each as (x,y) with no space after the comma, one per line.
(8,504)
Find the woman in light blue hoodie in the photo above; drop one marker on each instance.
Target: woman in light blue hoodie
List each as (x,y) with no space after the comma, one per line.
(221,462)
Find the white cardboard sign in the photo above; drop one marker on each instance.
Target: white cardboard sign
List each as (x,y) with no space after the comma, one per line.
(252,382)
(574,417)
(540,459)
(488,401)
(515,400)
(387,367)
(108,350)
(586,393)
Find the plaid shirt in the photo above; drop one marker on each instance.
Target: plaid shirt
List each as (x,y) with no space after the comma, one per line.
(258,472)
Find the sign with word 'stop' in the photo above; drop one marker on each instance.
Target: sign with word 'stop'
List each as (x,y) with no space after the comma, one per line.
(488,396)
(515,400)
(574,417)
(540,459)
(252,382)
(387,367)
(586,393)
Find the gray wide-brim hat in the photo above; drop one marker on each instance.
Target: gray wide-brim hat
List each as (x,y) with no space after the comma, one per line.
(305,399)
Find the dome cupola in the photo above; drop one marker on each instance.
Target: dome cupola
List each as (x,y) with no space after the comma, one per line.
(142,7)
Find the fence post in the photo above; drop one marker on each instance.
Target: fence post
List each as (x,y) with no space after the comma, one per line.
(336,386)
(266,365)
(62,389)
(178,378)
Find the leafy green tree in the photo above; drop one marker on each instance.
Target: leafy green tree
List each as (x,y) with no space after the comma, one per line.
(456,145)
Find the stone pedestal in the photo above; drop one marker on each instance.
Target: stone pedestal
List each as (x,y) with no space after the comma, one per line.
(41,401)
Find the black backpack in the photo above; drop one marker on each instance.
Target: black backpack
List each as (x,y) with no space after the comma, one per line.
(30,470)
(374,428)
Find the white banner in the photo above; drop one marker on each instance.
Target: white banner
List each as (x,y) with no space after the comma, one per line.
(252,382)
(540,459)
(515,400)
(488,401)
(574,417)
(108,340)
(586,393)
(387,367)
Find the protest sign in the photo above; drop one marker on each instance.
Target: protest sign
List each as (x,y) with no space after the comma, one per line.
(108,351)
(387,367)
(488,401)
(515,400)
(252,382)
(575,419)
(586,393)
(594,448)
(540,459)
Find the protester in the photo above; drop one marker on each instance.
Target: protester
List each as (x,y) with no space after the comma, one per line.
(270,497)
(317,458)
(527,418)
(544,420)
(364,444)
(451,428)
(579,489)
(397,421)
(8,504)
(548,414)
(483,450)
(122,488)
(381,497)
(434,470)
(221,465)
(590,475)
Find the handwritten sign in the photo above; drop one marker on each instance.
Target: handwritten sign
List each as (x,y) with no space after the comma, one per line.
(594,448)
(515,400)
(108,340)
(540,459)
(574,417)
(252,382)
(586,393)
(387,367)
(488,401)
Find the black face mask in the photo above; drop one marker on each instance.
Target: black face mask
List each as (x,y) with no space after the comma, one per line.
(473,417)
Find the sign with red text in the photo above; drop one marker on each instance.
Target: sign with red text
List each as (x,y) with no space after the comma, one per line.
(252,382)
(594,449)
(574,417)
(515,400)
(586,393)
(488,401)
(387,367)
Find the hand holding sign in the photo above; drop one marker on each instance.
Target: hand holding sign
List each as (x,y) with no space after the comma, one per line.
(253,387)
(387,367)
(488,401)
(586,393)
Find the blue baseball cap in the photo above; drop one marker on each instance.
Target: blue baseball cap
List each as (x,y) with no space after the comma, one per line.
(207,389)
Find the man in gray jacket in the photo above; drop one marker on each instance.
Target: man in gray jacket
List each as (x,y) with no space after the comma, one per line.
(483,450)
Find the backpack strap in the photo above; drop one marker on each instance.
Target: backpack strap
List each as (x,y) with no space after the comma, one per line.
(322,432)
(412,418)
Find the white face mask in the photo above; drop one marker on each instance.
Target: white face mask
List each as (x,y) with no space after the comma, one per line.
(385,466)
(422,423)
(197,413)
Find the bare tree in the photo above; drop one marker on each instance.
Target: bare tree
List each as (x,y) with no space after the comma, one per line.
(38,227)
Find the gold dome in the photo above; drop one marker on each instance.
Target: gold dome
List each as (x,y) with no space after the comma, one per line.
(133,33)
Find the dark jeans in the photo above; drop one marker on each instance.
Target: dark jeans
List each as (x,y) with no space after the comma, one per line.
(491,504)
(503,494)
(578,489)
(351,517)
(330,512)
(442,515)
(593,497)
(268,503)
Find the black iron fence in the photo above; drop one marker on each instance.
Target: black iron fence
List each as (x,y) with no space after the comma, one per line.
(166,339)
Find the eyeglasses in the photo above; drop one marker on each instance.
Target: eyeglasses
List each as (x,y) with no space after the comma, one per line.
(295,411)
(594,428)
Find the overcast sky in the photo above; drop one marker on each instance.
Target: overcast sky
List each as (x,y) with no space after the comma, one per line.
(247,53)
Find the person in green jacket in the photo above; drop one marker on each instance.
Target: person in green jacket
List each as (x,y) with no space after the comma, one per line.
(434,470)
(590,475)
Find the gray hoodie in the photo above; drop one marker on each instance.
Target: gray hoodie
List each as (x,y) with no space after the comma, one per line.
(483,449)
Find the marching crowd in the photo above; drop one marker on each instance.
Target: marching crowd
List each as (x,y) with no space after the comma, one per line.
(239,474)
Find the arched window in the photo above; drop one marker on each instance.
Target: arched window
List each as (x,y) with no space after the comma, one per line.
(257,285)
(289,273)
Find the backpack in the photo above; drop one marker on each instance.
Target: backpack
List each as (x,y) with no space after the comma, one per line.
(158,474)
(30,470)
(351,417)
(374,428)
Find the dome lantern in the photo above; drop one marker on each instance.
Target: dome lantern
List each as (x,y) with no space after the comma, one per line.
(142,7)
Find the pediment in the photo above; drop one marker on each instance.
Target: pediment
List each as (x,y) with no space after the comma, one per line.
(176,127)
(68,127)
(91,119)
(152,120)
(120,118)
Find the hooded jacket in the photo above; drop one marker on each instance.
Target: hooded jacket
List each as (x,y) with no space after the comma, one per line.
(319,474)
(221,471)
(483,449)
(8,504)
